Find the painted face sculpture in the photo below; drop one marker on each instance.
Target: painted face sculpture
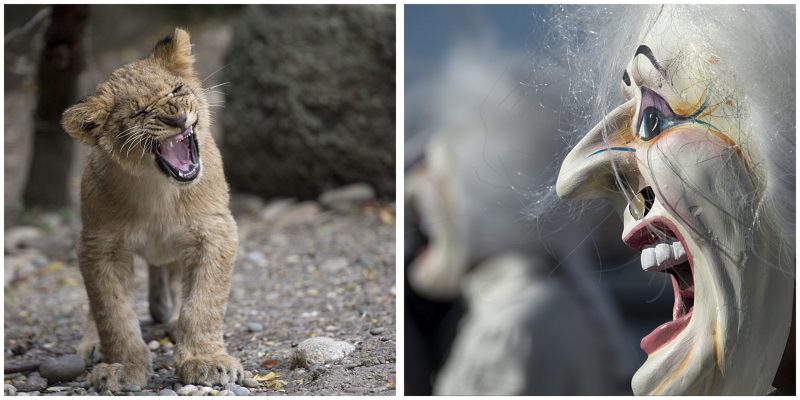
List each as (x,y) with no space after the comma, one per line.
(679,159)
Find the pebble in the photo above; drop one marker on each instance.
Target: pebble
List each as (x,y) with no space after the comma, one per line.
(319,350)
(334,264)
(255,327)
(64,368)
(167,392)
(377,331)
(9,390)
(242,391)
(250,382)
(34,382)
(230,386)
(186,390)
(153,345)
(131,388)
(204,390)
(57,388)
(225,393)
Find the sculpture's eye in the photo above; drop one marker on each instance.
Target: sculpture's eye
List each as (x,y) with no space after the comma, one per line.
(652,124)
(656,115)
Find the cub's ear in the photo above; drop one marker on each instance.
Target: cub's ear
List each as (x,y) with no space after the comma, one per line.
(84,120)
(175,53)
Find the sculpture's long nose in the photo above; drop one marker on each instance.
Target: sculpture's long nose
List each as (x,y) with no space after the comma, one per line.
(603,160)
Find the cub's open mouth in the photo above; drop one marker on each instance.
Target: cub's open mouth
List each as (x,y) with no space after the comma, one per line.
(664,250)
(179,155)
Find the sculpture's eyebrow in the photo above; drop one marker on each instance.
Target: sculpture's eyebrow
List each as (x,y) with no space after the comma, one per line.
(645,51)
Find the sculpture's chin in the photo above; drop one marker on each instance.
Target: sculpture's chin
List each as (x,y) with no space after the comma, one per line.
(685,366)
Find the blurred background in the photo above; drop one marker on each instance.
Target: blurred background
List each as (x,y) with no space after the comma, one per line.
(486,129)
(307,132)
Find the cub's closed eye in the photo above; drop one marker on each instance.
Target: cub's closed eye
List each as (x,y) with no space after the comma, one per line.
(138,113)
(177,90)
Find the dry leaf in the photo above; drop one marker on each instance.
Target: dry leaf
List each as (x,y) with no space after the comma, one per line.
(386,216)
(267,377)
(276,384)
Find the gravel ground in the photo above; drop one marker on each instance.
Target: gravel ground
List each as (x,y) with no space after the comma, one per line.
(302,271)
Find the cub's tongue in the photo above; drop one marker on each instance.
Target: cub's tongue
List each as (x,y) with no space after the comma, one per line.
(175,151)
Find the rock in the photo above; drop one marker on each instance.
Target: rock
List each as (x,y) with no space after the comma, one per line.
(275,209)
(9,390)
(33,383)
(153,345)
(131,388)
(247,374)
(334,264)
(231,386)
(250,382)
(310,114)
(346,197)
(167,392)
(63,368)
(377,331)
(57,388)
(301,213)
(255,327)
(242,391)
(225,393)
(204,390)
(319,350)
(186,390)
(20,237)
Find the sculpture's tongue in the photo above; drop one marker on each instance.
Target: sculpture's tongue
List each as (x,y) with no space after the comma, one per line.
(176,152)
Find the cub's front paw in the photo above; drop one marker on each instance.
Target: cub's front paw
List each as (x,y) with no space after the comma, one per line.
(211,370)
(114,376)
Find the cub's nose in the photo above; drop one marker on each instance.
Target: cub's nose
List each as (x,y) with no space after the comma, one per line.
(178,122)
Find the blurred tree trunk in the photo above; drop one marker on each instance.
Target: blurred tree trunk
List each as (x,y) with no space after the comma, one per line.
(61,62)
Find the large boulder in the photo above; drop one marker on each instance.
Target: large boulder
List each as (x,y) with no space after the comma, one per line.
(311,99)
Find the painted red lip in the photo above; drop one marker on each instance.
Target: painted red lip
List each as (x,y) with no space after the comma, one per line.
(650,231)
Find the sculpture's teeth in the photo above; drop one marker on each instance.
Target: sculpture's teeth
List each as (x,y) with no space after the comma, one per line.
(678,252)
(660,256)
(649,259)
(663,253)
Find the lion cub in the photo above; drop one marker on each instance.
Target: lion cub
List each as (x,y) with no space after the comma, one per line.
(153,186)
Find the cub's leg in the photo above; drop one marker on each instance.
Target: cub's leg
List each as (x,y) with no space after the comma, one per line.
(209,254)
(165,292)
(107,269)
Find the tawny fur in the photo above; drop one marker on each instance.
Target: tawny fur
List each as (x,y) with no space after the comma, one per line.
(129,206)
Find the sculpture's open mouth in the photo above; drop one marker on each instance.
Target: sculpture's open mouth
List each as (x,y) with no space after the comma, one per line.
(664,250)
(179,155)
